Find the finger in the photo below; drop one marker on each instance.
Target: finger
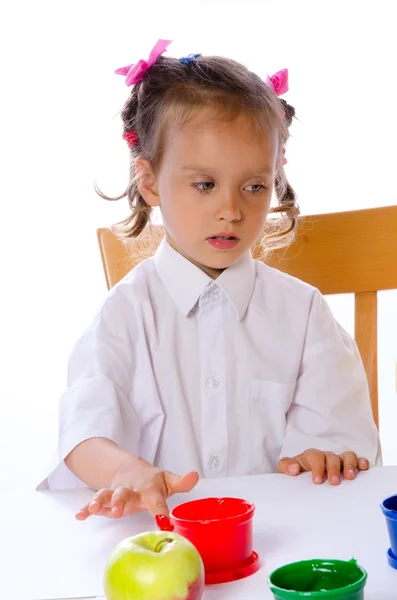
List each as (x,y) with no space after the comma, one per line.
(350,464)
(134,505)
(314,461)
(333,466)
(178,485)
(83,513)
(100,501)
(154,501)
(93,507)
(289,466)
(122,498)
(363,464)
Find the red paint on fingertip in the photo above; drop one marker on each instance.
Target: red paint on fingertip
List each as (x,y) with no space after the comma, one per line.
(164,523)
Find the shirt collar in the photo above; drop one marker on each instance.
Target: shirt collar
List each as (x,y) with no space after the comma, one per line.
(238,282)
(185,282)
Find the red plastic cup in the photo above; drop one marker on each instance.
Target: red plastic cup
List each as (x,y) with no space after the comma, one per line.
(221,530)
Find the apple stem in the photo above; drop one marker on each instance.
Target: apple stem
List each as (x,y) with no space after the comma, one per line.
(159,546)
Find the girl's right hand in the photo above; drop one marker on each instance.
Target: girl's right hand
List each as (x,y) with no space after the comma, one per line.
(142,488)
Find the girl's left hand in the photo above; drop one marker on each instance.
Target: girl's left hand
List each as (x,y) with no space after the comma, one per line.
(323,465)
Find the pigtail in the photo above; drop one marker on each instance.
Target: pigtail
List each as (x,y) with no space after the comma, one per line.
(289,112)
(140,212)
(281,232)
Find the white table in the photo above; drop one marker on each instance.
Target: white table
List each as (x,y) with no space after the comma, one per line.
(294,520)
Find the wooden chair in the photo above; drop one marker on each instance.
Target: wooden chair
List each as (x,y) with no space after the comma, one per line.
(339,253)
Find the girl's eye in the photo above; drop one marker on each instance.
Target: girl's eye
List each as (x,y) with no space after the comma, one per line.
(255,188)
(203,186)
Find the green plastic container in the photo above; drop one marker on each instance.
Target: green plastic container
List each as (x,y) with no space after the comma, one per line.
(319,579)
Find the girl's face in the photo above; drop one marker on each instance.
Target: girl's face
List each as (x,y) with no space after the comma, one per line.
(214,187)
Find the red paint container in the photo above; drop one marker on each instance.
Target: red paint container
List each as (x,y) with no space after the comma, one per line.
(221,530)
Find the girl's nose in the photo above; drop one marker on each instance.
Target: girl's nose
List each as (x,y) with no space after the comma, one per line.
(228,209)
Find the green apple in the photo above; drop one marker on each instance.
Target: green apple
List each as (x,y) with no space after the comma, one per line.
(156,565)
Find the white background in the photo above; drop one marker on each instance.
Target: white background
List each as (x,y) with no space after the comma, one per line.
(60,131)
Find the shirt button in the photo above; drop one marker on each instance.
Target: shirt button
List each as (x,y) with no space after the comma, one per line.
(215,462)
(215,297)
(214,383)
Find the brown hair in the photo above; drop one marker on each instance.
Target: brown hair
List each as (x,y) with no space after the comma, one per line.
(169,92)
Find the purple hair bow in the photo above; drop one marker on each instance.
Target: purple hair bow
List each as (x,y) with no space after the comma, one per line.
(134,73)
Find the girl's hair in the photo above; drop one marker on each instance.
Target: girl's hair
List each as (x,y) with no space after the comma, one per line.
(168,94)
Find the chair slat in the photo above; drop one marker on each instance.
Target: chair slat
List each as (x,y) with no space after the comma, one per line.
(366,336)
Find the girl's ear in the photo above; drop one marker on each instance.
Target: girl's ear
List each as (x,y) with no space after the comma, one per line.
(146,181)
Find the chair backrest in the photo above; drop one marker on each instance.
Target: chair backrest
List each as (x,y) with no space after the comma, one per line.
(339,253)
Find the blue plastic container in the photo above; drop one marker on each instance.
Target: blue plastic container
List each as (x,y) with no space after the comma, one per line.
(389,509)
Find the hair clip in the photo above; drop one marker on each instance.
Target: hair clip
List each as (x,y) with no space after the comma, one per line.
(131,138)
(186,60)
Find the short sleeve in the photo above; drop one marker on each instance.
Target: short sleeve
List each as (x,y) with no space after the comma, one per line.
(331,409)
(96,400)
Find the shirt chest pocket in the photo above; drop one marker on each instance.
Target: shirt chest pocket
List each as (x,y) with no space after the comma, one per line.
(270,402)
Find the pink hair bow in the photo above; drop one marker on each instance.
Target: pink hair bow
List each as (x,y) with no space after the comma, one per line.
(279,82)
(134,73)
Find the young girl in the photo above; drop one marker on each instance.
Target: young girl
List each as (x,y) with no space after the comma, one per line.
(203,361)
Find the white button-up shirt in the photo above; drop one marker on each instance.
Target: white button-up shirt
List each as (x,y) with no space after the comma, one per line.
(221,376)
